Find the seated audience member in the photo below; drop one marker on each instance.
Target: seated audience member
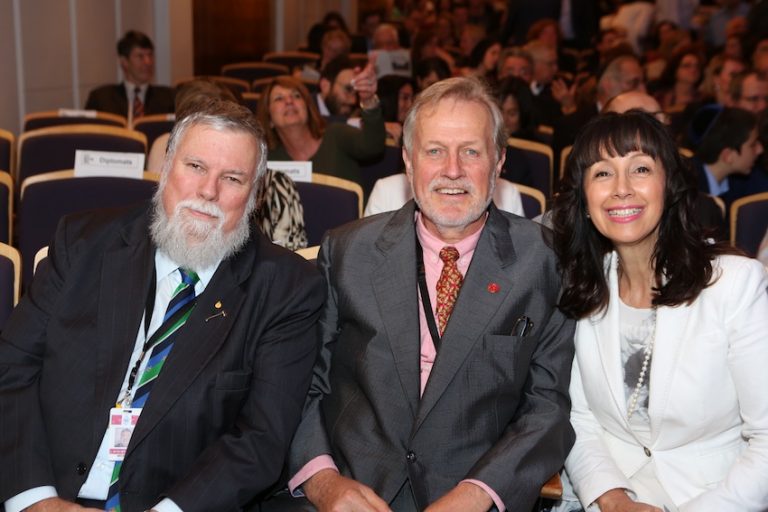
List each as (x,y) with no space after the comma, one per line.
(135,96)
(552,96)
(295,130)
(622,74)
(176,319)
(726,142)
(515,61)
(278,210)
(425,45)
(749,91)
(667,384)
(332,20)
(385,37)
(547,31)
(337,100)
(718,75)
(471,35)
(711,217)
(520,115)
(429,71)
(392,192)
(455,398)
(715,31)
(678,85)
(757,180)
(396,94)
(483,60)
(336,43)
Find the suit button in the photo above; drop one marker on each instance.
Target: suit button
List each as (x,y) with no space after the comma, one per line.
(647,451)
(81,468)
(410,456)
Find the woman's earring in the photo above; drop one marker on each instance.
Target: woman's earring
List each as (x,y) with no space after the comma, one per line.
(588,216)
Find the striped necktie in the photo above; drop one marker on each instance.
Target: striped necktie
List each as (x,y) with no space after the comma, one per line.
(179,308)
(138,105)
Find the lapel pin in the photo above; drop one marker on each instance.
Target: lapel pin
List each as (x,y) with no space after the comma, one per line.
(493,287)
(221,313)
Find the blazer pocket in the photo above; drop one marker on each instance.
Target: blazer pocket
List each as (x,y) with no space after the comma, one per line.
(234,380)
(505,344)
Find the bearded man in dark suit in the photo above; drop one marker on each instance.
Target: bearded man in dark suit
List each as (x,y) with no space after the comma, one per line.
(178,320)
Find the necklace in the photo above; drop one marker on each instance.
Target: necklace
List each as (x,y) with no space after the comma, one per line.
(643,370)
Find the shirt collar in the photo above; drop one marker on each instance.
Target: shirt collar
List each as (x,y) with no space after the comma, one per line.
(164,267)
(432,245)
(715,188)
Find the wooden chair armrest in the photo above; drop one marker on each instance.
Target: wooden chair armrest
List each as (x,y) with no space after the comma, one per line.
(552,488)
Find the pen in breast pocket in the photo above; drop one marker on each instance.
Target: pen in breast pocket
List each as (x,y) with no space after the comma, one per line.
(522,327)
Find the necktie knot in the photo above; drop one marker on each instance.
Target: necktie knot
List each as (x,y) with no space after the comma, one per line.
(188,277)
(449,254)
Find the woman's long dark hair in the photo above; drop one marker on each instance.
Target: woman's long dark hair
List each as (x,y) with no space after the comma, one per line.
(682,257)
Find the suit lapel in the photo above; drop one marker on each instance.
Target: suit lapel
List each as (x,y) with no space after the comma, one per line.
(199,339)
(475,306)
(670,338)
(122,300)
(395,288)
(608,342)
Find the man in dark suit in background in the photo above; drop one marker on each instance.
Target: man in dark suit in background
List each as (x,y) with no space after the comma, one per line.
(135,96)
(424,396)
(179,320)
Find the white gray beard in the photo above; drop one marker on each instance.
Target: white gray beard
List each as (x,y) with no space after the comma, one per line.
(174,235)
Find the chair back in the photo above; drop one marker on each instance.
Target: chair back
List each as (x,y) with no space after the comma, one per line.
(46,198)
(6,208)
(291,59)
(389,163)
(39,257)
(154,125)
(7,151)
(309,253)
(539,158)
(10,281)
(52,149)
(61,117)
(251,100)
(250,71)
(534,202)
(749,222)
(564,158)
(328,202)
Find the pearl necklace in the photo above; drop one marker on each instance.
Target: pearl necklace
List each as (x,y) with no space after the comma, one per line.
(643,370)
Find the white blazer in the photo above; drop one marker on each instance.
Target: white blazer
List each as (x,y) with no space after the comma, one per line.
(394,191)
(708,398)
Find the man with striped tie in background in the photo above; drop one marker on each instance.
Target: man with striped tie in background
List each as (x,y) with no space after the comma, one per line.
(162,354)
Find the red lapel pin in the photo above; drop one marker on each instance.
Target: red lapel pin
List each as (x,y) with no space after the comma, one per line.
(493,287)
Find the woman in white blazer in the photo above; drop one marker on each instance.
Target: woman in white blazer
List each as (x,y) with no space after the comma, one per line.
(669,386)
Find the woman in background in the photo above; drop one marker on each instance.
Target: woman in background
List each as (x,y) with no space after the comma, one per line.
(295,131)
(669,379)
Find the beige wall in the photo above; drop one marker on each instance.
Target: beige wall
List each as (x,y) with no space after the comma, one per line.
(55,51)
(67,47)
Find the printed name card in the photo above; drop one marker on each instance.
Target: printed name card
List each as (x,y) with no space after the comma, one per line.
(109,163)
(297,171)
(71,112)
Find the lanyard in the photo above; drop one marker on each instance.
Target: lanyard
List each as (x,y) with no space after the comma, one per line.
(425,302)
(125,401)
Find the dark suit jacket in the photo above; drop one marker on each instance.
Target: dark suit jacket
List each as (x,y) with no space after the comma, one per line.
(113,98)
(216,430)
(496,406)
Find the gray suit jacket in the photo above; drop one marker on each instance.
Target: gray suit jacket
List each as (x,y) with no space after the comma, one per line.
(496,406)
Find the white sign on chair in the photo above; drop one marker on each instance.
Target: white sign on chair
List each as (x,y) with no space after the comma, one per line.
(109,163)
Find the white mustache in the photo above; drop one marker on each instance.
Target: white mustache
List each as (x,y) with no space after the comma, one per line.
(199,205)
(462,183)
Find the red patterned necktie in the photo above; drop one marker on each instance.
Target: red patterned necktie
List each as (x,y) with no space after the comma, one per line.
(138,105)
(448,286)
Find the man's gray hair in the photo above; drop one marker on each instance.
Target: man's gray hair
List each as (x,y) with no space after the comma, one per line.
(220,115)
(469,89)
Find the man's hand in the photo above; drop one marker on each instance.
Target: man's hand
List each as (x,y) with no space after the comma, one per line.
(364,82)
(58,505)
(616,500)
(464,497)
(330,492)
(564,95)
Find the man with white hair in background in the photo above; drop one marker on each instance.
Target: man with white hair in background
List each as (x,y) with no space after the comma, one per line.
(177,320)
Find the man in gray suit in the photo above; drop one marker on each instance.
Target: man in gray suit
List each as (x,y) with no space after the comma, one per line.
(464,407)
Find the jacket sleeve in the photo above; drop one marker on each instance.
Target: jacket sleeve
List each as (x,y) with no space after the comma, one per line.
(745,487)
